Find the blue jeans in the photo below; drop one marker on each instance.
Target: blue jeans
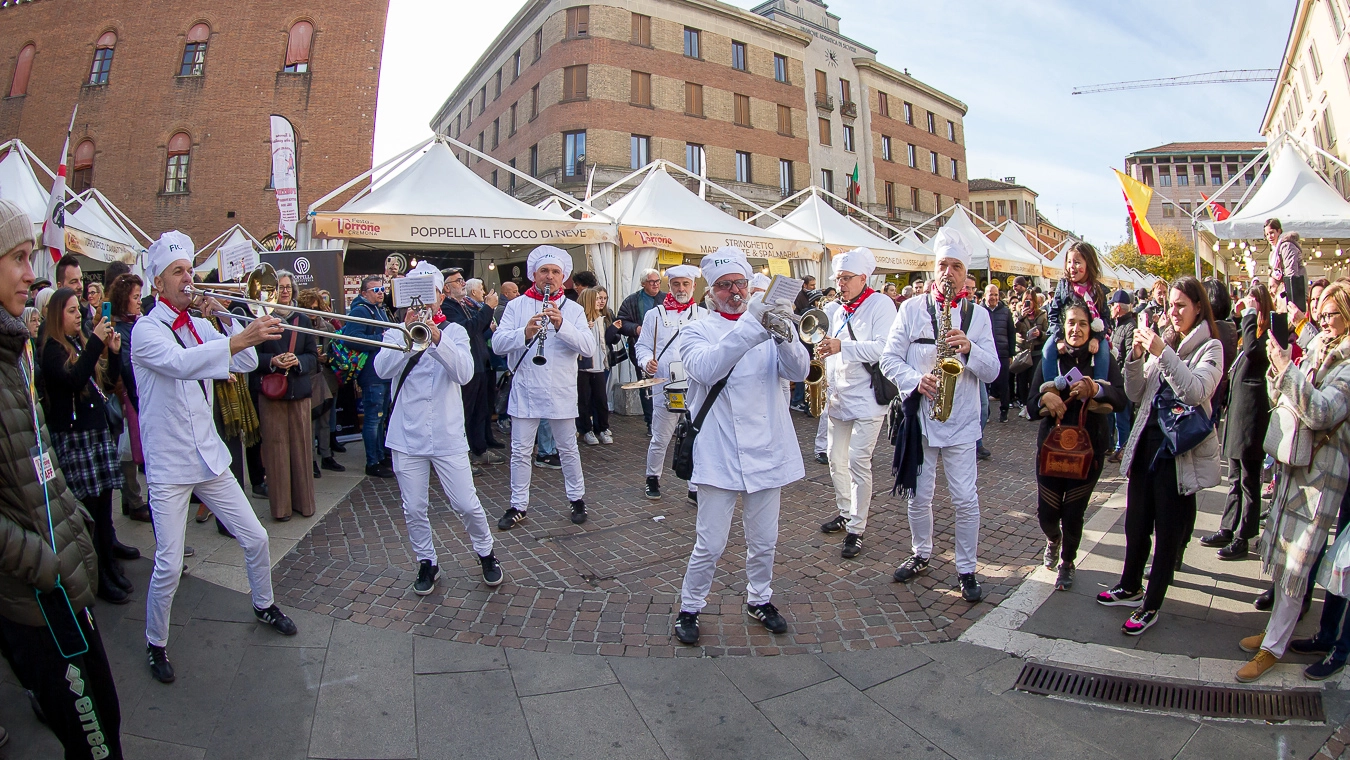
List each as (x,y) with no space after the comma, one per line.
(374,405)
(1124,421)
(547,446)
(1101,361)
(984,414)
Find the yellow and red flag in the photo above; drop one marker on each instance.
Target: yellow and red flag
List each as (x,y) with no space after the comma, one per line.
(1217,211)
(1137,197)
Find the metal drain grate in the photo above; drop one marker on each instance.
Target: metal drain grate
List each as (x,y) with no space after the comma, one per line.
(1205,701)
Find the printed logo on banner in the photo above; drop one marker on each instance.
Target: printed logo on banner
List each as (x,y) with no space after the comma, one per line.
(301,265)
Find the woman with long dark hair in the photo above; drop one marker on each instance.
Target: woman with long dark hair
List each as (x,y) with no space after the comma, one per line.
(125,296)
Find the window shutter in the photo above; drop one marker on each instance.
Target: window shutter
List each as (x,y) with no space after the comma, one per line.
(22,68)
(297,51)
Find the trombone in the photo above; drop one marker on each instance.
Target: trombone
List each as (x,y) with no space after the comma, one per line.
(261,298)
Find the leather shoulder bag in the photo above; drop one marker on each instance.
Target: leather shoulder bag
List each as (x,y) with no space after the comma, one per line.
(276,385)
(1067,451)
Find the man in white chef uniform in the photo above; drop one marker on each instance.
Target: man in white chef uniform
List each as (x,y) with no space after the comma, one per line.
(176,358)
(860,322)
(658,353)
(548,391)
(747,443)
(426,430)
(908,361)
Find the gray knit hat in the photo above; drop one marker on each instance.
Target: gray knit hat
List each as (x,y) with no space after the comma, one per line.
(15,226)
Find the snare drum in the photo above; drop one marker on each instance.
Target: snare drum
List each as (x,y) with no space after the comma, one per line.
(675,391)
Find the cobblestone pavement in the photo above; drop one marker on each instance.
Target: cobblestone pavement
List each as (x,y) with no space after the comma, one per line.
(611,586)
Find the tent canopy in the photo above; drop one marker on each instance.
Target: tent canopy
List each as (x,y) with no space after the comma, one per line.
(1302,200)
(838,234)
(980,248)
(93,230)
(19,183)
(1019,256)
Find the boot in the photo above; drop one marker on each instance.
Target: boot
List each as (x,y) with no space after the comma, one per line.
(122,551)
(119,577)
(109,590)
(334,446)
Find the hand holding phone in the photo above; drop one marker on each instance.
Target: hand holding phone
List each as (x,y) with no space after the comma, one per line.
(1279,328)
(107,309)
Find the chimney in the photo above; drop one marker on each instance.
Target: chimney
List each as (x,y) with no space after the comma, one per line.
(1010,180)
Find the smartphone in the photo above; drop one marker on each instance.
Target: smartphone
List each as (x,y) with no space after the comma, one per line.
(1298,291)
(107,309)
(1074,375)
(62,621)
(1279,328)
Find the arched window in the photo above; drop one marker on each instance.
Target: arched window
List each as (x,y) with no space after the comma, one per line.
(103,54)
(22,67)
(83,166)
(297,49)
(176,171)
(194,52)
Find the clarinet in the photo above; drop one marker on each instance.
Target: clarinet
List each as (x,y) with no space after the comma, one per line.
(539,358)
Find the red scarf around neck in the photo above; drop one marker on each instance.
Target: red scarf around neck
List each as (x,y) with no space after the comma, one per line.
(853,305)
(670,304)
(182,319)
(538,295)
(732,317)
(942,301)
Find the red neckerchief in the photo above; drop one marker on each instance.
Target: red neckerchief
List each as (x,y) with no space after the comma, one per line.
(853,305)
(671,304)
(183,319)
(534,293)
(942,301)
(437,317)
(732,317)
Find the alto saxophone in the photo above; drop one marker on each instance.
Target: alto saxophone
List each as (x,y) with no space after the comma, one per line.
(947,369)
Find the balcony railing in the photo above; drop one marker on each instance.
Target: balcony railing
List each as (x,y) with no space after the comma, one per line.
(848,109)
(824,102)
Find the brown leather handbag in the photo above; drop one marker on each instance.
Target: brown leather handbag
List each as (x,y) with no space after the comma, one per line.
(1067,451)
(276,386)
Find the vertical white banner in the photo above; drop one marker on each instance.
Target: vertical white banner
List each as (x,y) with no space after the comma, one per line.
(284,174)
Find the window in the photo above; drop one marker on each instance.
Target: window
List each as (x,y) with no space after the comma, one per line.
(743,166)
(742,112)
(83,166)
(642,30)
(693,157)
(176,171)
(511,129)
(845,92)
(1169,210)
(103,55)
(534,160)
(639,151)
(1251,176)
(909,117)
(515,74)
(494,177)
(933,161)
(476,159)
(937,203)
(890,199)
(914,198)
(1183,179)
(691,42)
(883,104)
(951,130)
(848,138)
(497,86)
(574,153)
(979,208)
(22,68)
(1164,176)
(1337,21)
(1328,128)
(297,49)
(534,102)
(496,132)
(194,52)
(538,45)
(482,100)
(822,86)
(640,89)
(1232,174)
(574,82)
(1199,174)
(824,126)
(1002,210)
(827,179)
(1012,210)
(738,55)
(511,178)
(913,157)
(578,21)
(886,148)
(784,177)
(744,214)
(956,169)
(780,68)
(1186,208)
(932,124)
(1215,176)
(1307,85)
(1315,60)
(693,99)
(784,120)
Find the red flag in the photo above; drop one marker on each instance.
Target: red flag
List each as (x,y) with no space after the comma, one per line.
(1217,211)
(1137,198)
(54,223)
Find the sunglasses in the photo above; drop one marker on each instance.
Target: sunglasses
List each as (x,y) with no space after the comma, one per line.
(377,289)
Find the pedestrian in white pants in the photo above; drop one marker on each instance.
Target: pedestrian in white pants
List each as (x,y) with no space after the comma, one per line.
(426,430)
(176,359)
(740,448)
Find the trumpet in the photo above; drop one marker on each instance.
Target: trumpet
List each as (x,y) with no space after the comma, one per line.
(539,358)
(260,289)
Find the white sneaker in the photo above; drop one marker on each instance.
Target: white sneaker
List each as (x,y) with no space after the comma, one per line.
(606,437)
(590,439)
(1023,414)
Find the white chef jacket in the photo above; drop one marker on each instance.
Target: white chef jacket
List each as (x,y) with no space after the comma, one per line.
(747,442)
(428,419)
(849,395)
(905,362)
(548,392)
(659,328)
(178,431)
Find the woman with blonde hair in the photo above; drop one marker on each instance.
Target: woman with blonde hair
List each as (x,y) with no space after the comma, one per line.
(593,398)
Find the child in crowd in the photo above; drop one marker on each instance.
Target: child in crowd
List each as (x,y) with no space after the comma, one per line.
(1081,281)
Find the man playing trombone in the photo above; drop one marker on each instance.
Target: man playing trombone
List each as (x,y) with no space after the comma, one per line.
(542,335)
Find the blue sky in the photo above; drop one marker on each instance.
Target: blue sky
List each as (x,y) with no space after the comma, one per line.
(1012,63)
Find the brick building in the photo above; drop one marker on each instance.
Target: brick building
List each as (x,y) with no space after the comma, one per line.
(174,100)
(773,100)
(1180,172)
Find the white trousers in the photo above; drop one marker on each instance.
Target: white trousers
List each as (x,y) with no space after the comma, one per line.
(851,443)
(169,506)
(1283,619)
(822,431)
(663,427)
(759,517)
(959,463)
(523,430)
(414,482)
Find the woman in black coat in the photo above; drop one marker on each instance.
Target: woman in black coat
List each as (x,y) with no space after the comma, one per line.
(1245,431)
(285,424)
(1062,502)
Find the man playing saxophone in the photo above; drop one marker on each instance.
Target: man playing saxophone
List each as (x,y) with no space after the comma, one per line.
(908,360)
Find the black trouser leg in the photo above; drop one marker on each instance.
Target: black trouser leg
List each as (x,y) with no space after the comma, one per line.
(253,455)
(1060,507)
(77,695)
(599,401)
(1001,386)
(100,508)
(469,394)
(1241,516)
(1173,518)
(584,401)
(236,449)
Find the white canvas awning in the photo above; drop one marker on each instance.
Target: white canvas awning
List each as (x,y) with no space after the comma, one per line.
(19,183)
(93,230)
(1297,196)
(837,233)
(980,248)
(1018,253)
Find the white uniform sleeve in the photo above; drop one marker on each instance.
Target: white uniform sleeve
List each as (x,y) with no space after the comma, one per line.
(983,359)
(389,361)
(894,357)
(158,351)
(575,334)
(794,360)
(707,361)
(881,315)
(645,348)
(510,334)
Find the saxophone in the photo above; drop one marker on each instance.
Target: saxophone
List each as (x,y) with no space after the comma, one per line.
(814,327)
(947,369)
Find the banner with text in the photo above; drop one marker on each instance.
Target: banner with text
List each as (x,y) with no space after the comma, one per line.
(689,241)
(439,230)
(890,261)
(98,248)
(284,174)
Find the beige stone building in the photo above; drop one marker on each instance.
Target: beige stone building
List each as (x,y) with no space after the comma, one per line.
(1183,174)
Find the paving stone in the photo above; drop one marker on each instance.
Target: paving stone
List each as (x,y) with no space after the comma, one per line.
(435,656)
(835,720)
(545,673)
(270,707)
(581,725)
(366,701)
(760,678)
(1257,742)
(470,715)
(139,748)
(1150,735)
(28,739)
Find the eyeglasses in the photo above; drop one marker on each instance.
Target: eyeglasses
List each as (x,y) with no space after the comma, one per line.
(377,289)
(740,284)
(843,278)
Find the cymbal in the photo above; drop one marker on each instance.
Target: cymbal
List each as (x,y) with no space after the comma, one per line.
(644,383)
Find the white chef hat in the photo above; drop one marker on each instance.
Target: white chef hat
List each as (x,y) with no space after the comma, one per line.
(425,269)
(171,246)
(759,281)
(949,245)
(858,261)
(547,254)
(683,270)
(725,260)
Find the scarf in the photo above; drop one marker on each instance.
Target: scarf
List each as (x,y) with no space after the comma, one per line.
(853,305)
(12,325)
(183,319)
(237,413)
(670,304)
(1085,292)
(537,295)
(732,317)
(942,301)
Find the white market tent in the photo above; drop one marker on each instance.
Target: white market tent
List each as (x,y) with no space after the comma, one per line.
(1016,248)
(838,233)
(209,255)
(1294,193)
(981,250)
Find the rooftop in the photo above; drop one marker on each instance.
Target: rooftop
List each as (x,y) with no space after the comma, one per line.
(1201,147)
(976,185)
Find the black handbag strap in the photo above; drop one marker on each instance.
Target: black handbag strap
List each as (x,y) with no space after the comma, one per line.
(407,368)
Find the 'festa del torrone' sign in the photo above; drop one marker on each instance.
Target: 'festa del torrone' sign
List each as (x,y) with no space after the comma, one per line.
(438,230)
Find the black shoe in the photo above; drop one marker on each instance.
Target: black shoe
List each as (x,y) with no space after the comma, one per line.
(852,546)
(653,487)
(119,577)
(139,514)
(578,512)
(274,617)
(551,461)
(260,490)
(835,525)
(493,443)
(767,614)
(492,570)
(317,474)
(160,667)
(109,590)
(1321,671)
(511,518)
(970,588)
(822,458)
(686,627)
(1064,581)
(692,496)
(426,577)
(335,447)
(1235,550)
(188,551)
(1003,415)
(911,567)
(329,463)
(379,471)
(222,530)
(122,551)
(1265,601)
(1217,539)
(1051,557)
(983,453)
(1311,646)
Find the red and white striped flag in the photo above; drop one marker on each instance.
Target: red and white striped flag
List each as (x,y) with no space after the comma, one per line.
(54,223)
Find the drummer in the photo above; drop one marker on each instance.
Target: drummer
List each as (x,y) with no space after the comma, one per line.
(658,353)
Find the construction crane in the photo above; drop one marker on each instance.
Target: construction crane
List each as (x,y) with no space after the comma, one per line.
(1214,77)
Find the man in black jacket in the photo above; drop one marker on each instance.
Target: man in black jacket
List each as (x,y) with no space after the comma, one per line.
(629,317)
(1122,337)
(1005,340)
(477,393)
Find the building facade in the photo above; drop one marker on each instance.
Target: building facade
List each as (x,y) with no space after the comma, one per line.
(174,101)
(1184,174)
(769,101)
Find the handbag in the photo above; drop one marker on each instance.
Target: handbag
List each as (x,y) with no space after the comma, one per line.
(1288,440)
(1184,426)
(1067,450)
(686,430)
(883,390)
(1023,361)
(273,385)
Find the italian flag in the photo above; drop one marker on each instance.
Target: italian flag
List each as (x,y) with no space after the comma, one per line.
(854,188)
(1137,197)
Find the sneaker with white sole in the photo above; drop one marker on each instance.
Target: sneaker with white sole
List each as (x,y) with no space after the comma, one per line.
(1119,597)
(767,614)
(606,437)
(590,439)
(426,578)
(492,570)
(910,568)
(1139,621)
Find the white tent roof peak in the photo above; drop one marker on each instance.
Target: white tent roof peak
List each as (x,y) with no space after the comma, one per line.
(1294,193)
(19,183)
(838,233)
